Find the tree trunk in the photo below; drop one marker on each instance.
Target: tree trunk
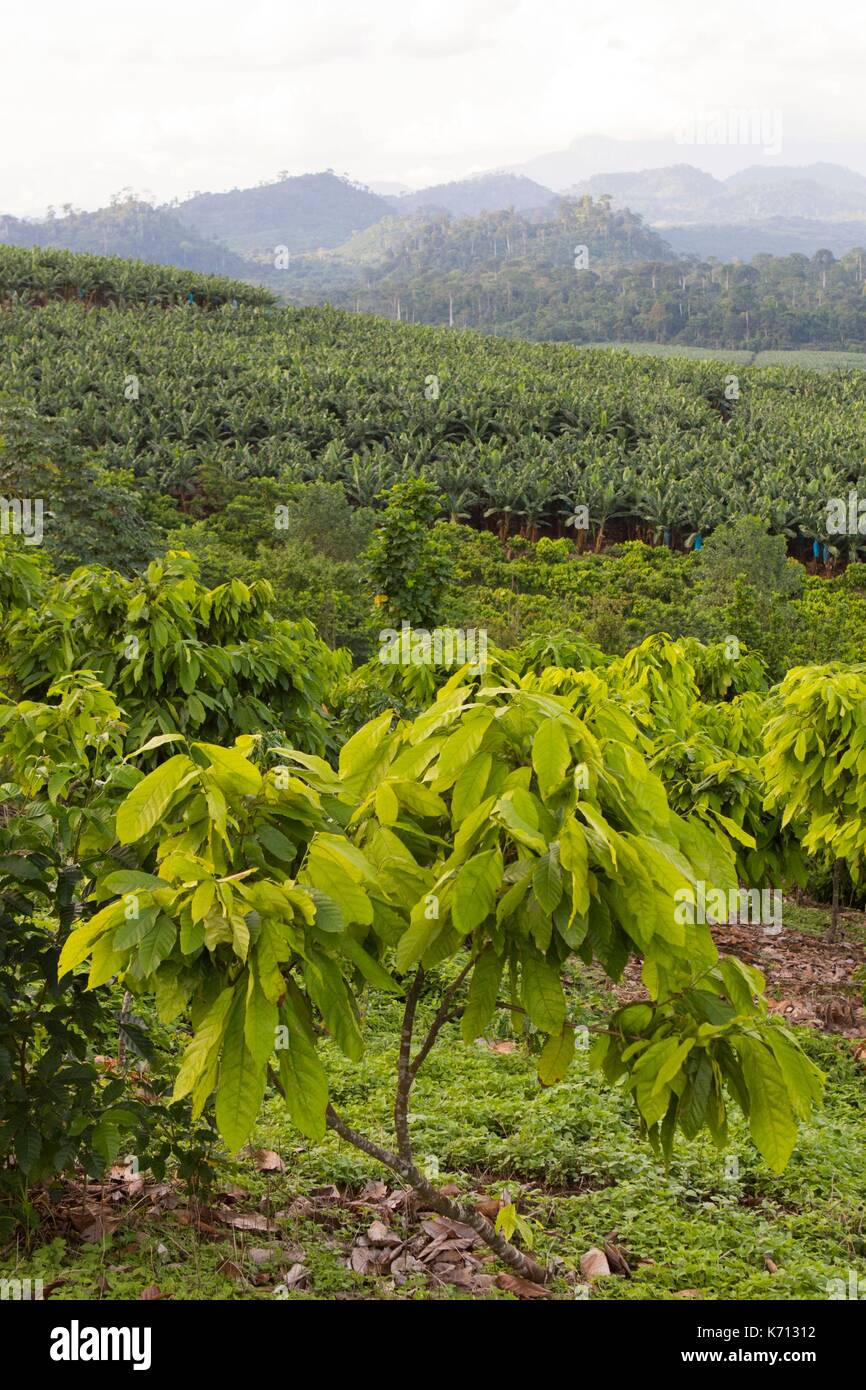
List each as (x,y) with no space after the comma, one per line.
(123,1019)
(834,912)
(403,1162)
(522,1264)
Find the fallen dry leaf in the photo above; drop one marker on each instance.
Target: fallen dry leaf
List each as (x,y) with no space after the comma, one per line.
(151,1293)
(295,1276)
(437,1226)
(361,1259)
(100,1228)
(248,1221)
(616,1259)
(523,1288)
(374,1190)
(380,1234)
(594,1265)
(267,1161)
(259,1255)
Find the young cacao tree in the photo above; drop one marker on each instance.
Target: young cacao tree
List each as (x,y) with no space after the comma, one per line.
(62,777)
(815,764)
(499,835)
(176,655)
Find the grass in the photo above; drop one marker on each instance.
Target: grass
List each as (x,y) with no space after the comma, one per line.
(808,358)
(571,1158)
(740,356)
(807,917)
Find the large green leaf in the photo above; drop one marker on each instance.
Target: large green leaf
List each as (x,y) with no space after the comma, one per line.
(156,943)
(483,993)
(547,880)
(241,1086)
(543,998)
(327,989)
(556,1056)
(475,889)
(233,771)
(771,1120)
(260,1021)
(149,800)
(551,756)
(461,747)
(201,1051)
(303,1078)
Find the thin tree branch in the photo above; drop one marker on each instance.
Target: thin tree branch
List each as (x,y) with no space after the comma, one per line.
(523,1265)
(405,1074)
(441,1017)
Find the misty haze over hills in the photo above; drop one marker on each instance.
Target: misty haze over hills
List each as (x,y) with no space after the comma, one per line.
(727,201)
(325,236)
(589,155)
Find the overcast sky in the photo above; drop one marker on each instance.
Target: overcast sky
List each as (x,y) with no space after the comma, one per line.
(169,96)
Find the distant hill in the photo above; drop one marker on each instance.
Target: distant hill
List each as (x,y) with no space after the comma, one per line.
(583,158)
(133,230)
(588,154)
(682,194)
(500,271)
(676,193)
(775,236)
(300,213)
(834,176)
(387,188)
(469,197)
(790,197)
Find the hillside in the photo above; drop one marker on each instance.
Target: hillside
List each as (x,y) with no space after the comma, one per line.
(300,213)
(683,194)
(31,276)
(341,397)
(674,194)
(773,236)
(509,275)
(133,230)
(759,210)
(469,197)
(487,272)
(833,176)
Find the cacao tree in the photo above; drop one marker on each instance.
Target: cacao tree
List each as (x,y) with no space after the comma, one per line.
(497,836)
(815,764)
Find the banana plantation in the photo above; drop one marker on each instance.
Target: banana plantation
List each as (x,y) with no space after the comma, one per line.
(206,383)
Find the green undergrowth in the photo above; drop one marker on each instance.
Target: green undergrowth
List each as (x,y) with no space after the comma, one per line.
(570,1156)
